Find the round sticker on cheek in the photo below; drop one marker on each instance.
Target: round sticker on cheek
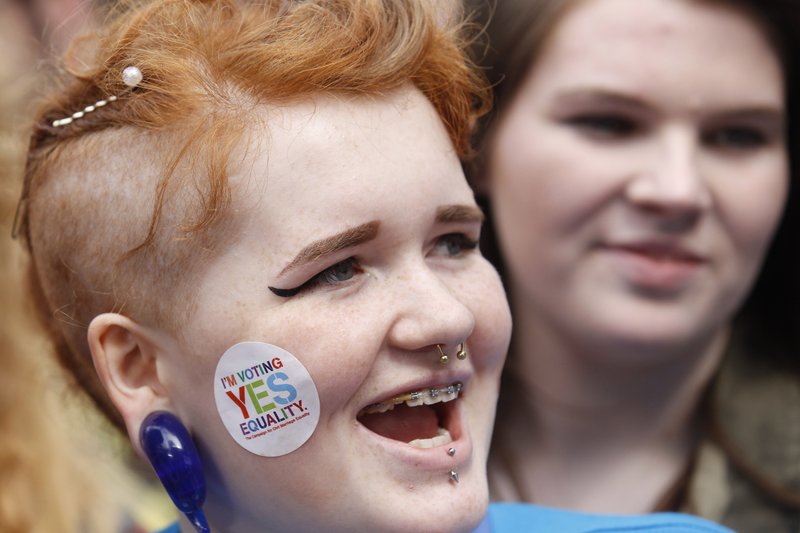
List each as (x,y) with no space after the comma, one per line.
(266,398)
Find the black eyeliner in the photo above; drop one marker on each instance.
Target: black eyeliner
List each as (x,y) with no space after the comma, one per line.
(286,293)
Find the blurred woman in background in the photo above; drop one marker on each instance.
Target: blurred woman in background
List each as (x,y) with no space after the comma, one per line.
(638,165)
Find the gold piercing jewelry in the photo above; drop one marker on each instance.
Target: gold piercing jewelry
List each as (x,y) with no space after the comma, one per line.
(442,356)
(462,352)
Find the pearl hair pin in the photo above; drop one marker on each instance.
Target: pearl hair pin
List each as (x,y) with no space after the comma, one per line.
(131,76)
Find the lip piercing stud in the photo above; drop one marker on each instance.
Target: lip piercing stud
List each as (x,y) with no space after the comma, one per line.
(462,352)
(442,356)
(451,452)
(454,476)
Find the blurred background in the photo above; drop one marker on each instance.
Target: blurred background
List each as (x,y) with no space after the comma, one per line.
(62,467)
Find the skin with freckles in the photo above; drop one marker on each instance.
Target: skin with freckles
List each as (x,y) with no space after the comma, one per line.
(635,195)
(362,203)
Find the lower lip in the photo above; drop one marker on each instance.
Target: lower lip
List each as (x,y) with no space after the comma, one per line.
(649,272)
(431,459)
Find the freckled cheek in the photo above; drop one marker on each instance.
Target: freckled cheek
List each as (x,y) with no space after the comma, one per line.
(193,365)
(218,324)
(339,354)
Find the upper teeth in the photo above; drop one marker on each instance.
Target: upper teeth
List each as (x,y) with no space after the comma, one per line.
(415,398)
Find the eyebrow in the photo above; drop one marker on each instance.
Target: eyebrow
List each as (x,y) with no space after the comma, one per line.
(771,118)
(774,115)
(334,243)
(599,96)
(459,213)
(367,232)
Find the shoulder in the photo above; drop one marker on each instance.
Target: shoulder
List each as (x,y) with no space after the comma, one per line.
(517,517)
(746,472)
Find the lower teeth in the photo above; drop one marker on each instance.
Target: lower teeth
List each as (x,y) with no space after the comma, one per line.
(443,437)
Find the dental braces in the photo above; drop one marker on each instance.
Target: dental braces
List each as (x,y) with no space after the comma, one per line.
(451,390)
(433,393)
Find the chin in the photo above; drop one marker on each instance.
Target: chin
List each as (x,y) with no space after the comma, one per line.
(456,509)
(647,322)
(648,338)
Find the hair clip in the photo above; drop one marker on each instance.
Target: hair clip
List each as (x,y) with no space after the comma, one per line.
(131,76)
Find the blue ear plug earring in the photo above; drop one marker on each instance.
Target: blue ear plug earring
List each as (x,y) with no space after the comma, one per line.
(170,449)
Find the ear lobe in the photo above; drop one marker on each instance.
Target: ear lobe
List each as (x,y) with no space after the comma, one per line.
(125,355)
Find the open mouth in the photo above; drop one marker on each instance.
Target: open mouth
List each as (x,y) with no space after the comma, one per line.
(420,418)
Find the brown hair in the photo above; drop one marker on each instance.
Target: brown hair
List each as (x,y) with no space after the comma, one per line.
(517,31)
(206,64)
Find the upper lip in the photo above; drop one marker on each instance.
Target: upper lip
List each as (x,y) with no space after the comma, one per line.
(661,249)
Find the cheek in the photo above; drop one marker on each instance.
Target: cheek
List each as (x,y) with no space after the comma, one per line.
(518,174)
(337,349)
(545,180)
(751,209)
(544,204)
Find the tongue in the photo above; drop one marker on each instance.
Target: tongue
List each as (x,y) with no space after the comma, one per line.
(403,423)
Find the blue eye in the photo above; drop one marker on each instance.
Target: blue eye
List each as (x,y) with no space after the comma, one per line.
(338,273)
(454,244)
(342,271)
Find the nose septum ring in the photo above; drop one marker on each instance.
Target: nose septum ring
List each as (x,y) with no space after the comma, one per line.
(461,354)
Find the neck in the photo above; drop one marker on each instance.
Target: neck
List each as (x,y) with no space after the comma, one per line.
(608,426)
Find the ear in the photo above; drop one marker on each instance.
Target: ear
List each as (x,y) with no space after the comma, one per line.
(126,356)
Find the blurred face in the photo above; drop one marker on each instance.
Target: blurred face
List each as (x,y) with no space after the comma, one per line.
(357,215)
(640,171)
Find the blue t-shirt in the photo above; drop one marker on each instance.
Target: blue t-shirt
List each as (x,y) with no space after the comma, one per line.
(524,518)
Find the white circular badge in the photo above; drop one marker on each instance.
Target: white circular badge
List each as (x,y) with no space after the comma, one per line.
(266,398)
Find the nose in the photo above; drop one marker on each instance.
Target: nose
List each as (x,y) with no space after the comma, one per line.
(426,311)
(670,184)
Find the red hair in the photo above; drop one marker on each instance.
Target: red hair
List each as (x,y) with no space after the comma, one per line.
(206,64)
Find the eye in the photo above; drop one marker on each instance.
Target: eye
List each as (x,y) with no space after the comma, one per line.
(735,137)
(454,244)
(604,126)
(339,273)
